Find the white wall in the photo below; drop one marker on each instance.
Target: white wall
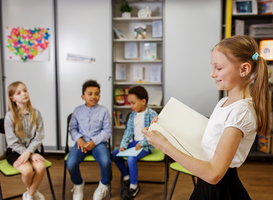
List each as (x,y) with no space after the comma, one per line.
(39,77)
(85,28)
(191,30)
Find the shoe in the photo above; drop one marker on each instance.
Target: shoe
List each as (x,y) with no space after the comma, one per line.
(126,187)
(27,197)
(132,193)
(78,191)
(100,192)
(38,196)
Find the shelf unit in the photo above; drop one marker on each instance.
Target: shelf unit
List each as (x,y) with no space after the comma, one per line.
(249,19)
(127,25)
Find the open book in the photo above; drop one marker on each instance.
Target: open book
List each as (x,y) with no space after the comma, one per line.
(182,126)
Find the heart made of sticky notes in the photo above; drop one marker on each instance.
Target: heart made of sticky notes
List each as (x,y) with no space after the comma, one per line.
(27,43)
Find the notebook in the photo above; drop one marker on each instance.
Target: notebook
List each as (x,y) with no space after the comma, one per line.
(129,152)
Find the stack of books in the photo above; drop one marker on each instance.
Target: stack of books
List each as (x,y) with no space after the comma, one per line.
(261,30)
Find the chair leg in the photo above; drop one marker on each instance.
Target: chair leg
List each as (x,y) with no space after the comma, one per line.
(64,180)
(1,198)
(174,184)
(50,184)
(166,177)
(121,187)
(109,191)
(193,180)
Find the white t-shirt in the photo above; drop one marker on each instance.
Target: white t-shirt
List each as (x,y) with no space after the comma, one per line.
(241,115)
(138,126)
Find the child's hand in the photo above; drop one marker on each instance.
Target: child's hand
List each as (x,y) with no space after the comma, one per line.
(80,144)
(138,146)
(89,146)
(121,149)
(23,158)
(154,120)
(37,158)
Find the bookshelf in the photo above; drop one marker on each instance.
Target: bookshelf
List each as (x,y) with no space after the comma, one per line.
(127,27)
(229,26)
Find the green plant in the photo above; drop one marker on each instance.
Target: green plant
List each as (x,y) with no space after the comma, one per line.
(125,7)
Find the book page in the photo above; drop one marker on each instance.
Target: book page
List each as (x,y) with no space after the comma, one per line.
(182,126)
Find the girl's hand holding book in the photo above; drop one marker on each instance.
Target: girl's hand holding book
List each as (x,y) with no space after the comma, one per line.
(156,139)
(154,120)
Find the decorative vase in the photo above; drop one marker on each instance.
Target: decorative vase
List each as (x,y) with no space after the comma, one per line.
(126,14)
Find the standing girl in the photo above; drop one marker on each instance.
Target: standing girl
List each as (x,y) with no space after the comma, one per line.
(232,127)
(24,134)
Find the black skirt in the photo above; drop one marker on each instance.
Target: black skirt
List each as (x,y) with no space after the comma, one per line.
(228,188)
(12,156)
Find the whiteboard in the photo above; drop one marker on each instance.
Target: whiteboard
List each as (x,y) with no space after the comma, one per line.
(191,30)
(39,77)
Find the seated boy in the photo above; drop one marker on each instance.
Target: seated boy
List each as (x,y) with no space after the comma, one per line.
(90,128)
(140,117)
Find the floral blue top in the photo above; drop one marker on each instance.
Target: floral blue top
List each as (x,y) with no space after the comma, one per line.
(129,132)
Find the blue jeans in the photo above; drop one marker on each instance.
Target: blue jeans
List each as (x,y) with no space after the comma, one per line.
(131,162)
(102,156)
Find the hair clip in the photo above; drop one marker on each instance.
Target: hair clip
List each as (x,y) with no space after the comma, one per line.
(255,56)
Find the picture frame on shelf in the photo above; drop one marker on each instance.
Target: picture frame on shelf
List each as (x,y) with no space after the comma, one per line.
(130,50)
(120,71)
(149,51)
(157,29)
(242,7)
(155,74)
(137,73)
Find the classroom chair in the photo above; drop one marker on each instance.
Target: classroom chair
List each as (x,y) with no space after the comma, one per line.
(156,156)
(88,158)
(8,170)
(177,167)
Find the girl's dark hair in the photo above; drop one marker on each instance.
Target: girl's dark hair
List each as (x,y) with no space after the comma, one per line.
(239,49)
(89,83)
(140,92)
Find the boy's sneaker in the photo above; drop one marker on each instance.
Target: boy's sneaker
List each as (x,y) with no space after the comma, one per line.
(38,196)
(78,191)
(126,187)
(132,193)
(100,192)
(27,197)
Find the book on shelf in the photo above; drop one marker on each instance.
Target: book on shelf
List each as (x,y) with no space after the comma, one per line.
(130,50)
(261,30)
(177,122)
(149,51)
(118,34)
(264,143)
(115,118)
(239,27)
(119,99)
(140,31)
(265,7)
(266,49)
(126,93)
(137,73)
(120,71)
(119,118)
(240,7)
(155,74)
(157,29)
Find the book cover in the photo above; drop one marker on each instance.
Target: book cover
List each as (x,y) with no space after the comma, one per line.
(140,31)
(130,50)
(157,29)
(264,143)
(119,97)
(120,71)
(119,118)
(265,7)
(149,51)
(126,93)
(239,27)
(266,49)
(129,152)
(115,118)
(118,34)
(177,122)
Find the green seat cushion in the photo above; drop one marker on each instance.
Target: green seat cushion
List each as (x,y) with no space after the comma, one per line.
(9,170)
(88,158)
(177,167)
(156,156)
